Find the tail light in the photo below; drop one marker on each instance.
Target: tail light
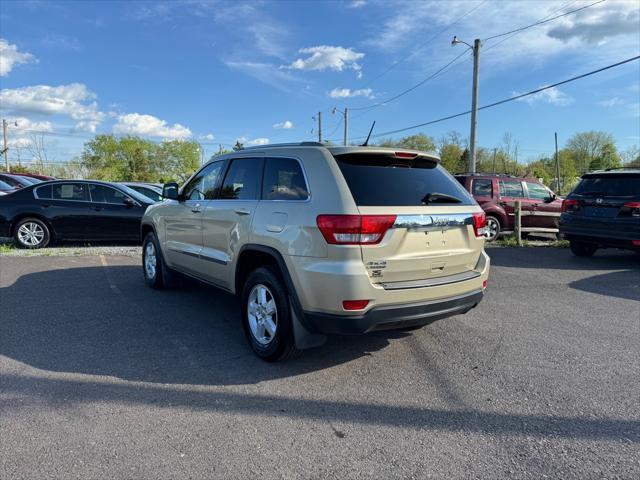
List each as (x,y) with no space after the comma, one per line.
(634,207)
(570,205)
(480,224)
(354,229)
(405,155)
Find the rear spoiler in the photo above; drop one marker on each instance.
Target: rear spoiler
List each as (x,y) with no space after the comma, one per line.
(402,154)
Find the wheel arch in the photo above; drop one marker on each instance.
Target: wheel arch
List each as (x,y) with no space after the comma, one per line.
(22,216)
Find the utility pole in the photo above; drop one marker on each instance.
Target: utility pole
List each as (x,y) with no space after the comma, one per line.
(346,126)
(5,150)
(474,105)
(557,165)
(320,127)
(474,98)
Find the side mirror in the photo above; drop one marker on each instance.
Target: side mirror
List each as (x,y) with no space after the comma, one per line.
(128,202)
(170,191)
(551,198)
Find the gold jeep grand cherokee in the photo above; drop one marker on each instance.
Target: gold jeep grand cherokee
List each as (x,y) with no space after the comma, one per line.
(322,240)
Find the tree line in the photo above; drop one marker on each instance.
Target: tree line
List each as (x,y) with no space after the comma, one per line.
(131,158)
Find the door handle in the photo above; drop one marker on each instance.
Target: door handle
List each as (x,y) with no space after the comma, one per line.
(243,211)
(196,208)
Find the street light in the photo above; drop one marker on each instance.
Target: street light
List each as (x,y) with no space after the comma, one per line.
(5,150)
(474,98)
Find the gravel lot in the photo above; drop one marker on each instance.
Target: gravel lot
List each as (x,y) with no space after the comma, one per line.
(101,377)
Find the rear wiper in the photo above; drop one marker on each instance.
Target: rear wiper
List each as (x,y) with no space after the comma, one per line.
(436,197)
(586,194)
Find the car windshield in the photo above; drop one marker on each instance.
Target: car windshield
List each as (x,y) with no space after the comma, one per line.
(32,180)
(611,185)
(5,186)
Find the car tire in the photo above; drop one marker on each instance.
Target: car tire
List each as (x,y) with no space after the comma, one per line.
(493,228)
(582,249)
(156,274)
(266,315)
(31,233)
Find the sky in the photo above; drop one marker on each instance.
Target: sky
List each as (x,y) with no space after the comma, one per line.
(260,71)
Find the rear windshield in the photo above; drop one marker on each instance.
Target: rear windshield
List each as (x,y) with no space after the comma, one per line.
(377,180)
(611,185)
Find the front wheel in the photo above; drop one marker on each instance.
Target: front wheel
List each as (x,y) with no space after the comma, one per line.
(581,249)
(156,273)
(493,228)
(32,233)
(266,315)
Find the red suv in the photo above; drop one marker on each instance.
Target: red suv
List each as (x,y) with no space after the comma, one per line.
(497,194)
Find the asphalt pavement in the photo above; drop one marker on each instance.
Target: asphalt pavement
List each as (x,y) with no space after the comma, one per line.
(101,377)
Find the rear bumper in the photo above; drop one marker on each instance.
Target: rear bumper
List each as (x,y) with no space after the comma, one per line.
(394,316)
(603,233)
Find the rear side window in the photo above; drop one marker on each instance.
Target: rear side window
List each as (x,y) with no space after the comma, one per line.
(102,194)
(482,187)
(43,192)
(511,189)
(283,180)
(609,186)
(378,180)
(70,191)
(242,181)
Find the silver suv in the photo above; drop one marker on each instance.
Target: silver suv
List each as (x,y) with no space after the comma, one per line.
(322,240)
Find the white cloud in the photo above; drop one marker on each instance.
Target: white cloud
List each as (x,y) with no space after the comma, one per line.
(24,123)
(208,136)
(258,141)
(348,93)
(357,3)
(149,126)
(286,125)
(74,100)
(325,57)
(612,102)
(10,56)
(551,96)
(595,26)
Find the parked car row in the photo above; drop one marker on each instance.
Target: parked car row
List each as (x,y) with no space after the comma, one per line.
(71,210)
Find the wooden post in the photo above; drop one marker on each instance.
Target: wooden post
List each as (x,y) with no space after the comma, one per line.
(518,221)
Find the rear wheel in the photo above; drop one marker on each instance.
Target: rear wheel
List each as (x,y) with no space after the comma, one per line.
(32,233)
(582,249)
(266,315)
(492,229)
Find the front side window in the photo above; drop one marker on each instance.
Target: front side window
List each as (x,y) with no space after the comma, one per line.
(537,191)
(203,185)
(70,191)
(104,194)
(284,180)
(482,188)
(242,181)
(509,188)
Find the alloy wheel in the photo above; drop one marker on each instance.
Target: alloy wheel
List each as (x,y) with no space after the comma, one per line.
(492,228)
(150,260)
(31,234)
(262,313)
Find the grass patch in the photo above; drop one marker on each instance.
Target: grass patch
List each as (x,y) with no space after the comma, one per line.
(7,248)
(510,241)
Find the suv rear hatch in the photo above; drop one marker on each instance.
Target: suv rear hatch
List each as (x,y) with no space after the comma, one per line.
(436,227)
(611,200)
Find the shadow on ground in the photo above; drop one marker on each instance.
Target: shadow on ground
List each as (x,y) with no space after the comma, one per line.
(105,321)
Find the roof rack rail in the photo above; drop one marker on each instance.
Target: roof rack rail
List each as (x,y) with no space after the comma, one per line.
(610,169)
(290,144)
(490,174)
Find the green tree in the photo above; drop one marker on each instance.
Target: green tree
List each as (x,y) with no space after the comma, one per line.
(419,141)
(177,159)
(593,146)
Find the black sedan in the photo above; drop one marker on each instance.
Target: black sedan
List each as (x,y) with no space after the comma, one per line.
(71,210)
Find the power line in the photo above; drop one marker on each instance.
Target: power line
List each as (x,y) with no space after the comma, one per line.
(543,21)
(419,84)
(445,67)
(506,100)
